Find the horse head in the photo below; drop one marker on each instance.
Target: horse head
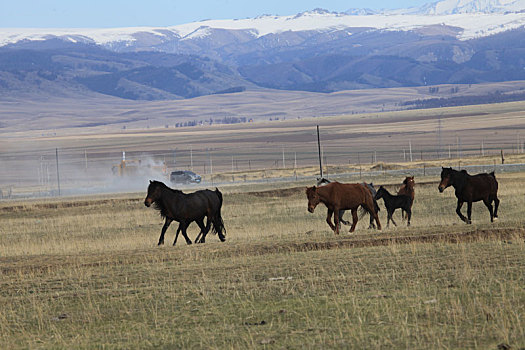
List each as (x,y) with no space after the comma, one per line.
(154,193)
(409,182)
(313,198)
(380,193)
(446,174)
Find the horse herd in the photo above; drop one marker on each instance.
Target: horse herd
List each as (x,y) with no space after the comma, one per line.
(174,205)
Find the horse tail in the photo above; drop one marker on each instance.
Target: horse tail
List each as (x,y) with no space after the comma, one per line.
(371,189)
(376,206)
(217,222)
(364,208)
(219,195)
(495,185)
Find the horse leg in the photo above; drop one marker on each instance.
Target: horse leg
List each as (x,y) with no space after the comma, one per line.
(469,212)
(488,204)
(371,224)
(354,220)
(164,228)
(458,211)
(200,222)
(336,221)
(184,226)
(344,222)
(206,229)
(329,219)
(392,217)
(409,215)
(496,205)
(201,232)
(177,235)
(376,217)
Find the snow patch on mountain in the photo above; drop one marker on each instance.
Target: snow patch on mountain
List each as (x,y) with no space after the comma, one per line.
(477,18)
(451,7)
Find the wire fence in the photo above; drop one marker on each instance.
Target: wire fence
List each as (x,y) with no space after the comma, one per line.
(77,170)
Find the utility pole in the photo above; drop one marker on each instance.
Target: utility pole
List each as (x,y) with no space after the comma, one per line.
(410,149)
(439,128)
(319,151)
(284,161)
(58,172)
(191,157)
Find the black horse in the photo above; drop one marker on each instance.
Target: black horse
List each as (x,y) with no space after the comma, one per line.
(392,202)
(471,188)
(174,205)
(322,181)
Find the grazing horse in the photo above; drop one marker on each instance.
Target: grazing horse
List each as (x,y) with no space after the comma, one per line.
(407,189)
(370,186)
(392,202)
(174,205)
(471,188)
(336,197)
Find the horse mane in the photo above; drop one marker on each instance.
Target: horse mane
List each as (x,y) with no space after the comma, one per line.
(460,179)
(158,205)
(163,185)
(386,191)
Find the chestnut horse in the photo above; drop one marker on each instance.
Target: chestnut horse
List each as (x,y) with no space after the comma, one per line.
(337,196)
(471,188)
(408,190)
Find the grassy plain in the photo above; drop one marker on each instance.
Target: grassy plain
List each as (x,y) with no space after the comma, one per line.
(86,273)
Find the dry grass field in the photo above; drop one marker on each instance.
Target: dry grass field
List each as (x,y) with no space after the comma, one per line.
(86,273)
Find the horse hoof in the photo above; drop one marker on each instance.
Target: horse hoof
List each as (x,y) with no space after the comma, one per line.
(495,218)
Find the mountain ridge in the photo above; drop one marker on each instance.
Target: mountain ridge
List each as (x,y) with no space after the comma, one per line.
(477,18)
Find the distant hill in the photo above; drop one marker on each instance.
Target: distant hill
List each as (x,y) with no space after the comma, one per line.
(61,69)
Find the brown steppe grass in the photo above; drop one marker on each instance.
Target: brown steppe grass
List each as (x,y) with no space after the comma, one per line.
(86,273)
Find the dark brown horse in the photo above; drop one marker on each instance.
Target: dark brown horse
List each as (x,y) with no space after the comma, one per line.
(174,205)
(408,190)
(471,188)
(392,202)
(336,197)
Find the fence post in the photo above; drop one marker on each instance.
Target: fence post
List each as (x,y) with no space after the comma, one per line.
(58,172)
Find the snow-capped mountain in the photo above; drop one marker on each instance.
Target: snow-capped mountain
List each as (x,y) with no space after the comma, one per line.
(446,42)
(451,7)
(474,18)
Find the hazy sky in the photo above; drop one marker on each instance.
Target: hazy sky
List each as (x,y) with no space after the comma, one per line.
(132,13)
